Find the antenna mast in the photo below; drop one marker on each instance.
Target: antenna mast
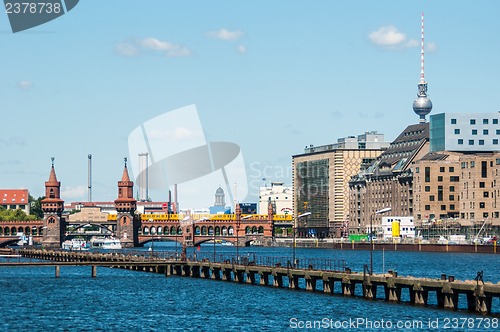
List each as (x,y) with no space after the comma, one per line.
(422,78)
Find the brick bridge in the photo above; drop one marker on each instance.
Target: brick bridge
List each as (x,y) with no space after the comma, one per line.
(191,230)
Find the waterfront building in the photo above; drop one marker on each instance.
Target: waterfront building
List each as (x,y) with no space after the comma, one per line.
(321,178)
(396,227)
(278,195)
(13,199)
(388,181)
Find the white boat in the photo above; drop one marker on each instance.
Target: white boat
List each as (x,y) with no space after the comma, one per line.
(75,245)
(101,242)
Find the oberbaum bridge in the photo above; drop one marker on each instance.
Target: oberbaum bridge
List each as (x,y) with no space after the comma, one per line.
(313,275)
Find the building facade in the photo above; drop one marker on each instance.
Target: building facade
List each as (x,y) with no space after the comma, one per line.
(278,195)
(388,181)
(13,199)
(465,132)
(321,180)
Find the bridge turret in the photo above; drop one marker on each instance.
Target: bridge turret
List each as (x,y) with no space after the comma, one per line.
(127,225)
(52,206)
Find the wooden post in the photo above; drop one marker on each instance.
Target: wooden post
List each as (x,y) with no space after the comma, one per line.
(94,271)
(58,271)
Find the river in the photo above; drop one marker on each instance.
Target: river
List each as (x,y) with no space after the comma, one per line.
(122,300)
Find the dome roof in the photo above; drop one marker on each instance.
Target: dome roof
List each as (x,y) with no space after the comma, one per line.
(219,191)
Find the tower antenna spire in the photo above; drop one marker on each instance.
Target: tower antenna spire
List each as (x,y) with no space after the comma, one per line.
(422,77)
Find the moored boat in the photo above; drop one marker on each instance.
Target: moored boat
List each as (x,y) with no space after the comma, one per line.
(102,242)
(75,245)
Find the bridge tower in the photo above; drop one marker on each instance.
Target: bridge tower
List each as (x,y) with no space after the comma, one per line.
(54,225)
(127,225)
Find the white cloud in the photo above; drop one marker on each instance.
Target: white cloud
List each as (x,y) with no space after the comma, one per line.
(74,192)
(24,85)
(153,45)
(387,36)
(224,34)
(241,49)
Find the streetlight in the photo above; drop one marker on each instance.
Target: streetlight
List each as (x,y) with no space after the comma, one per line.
(294,231)
(384,210)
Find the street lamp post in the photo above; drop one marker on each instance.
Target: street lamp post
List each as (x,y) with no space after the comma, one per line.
(371,235)
(294,231)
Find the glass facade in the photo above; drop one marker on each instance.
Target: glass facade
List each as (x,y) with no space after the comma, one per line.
(437,132)
(313,192)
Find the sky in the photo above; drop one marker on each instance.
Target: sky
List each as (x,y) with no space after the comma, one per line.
(269,76)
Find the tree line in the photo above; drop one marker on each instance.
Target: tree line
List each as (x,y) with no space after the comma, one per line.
(36,212)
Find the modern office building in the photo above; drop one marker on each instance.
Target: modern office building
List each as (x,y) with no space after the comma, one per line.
(465,132)
(321,181)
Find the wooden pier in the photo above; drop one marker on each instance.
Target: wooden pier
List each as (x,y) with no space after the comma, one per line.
(389,287)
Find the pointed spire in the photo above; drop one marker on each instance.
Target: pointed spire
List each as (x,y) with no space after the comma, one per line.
(52,176)
(125,176)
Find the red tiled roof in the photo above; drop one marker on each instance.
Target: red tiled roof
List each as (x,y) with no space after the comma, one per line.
(14,196)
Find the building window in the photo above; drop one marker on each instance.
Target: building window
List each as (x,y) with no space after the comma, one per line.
(452,197)
(484,169)
(472,164)
(485,131)
(485,121)
(452,206)
(451,169)
(495,141)
(472,121)
(485,194)
(427,208)
(443,207)
(440,193)
(427,174)
(471,142)
(495,121)
(457,131)
(441,169)
(481,205)
(452,189)
(440,179)
(474,131)
(460,141)
(427,188)
(481,142)
(431,198)
(498,131)
(453,121)
(481,184)
(417,169)
(464,164)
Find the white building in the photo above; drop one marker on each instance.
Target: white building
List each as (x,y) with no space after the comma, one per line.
(465,132)
(279,196)
(398,227)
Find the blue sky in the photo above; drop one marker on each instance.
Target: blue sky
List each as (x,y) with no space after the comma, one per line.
(270,76)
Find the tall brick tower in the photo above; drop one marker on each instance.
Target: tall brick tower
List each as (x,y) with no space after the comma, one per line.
(52,207)
(126,224)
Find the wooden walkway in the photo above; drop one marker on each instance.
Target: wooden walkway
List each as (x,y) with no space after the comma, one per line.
(479,296)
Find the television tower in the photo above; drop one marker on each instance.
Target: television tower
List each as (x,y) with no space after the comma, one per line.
(422,105)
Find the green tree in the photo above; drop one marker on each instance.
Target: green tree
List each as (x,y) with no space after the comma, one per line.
(36,206)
